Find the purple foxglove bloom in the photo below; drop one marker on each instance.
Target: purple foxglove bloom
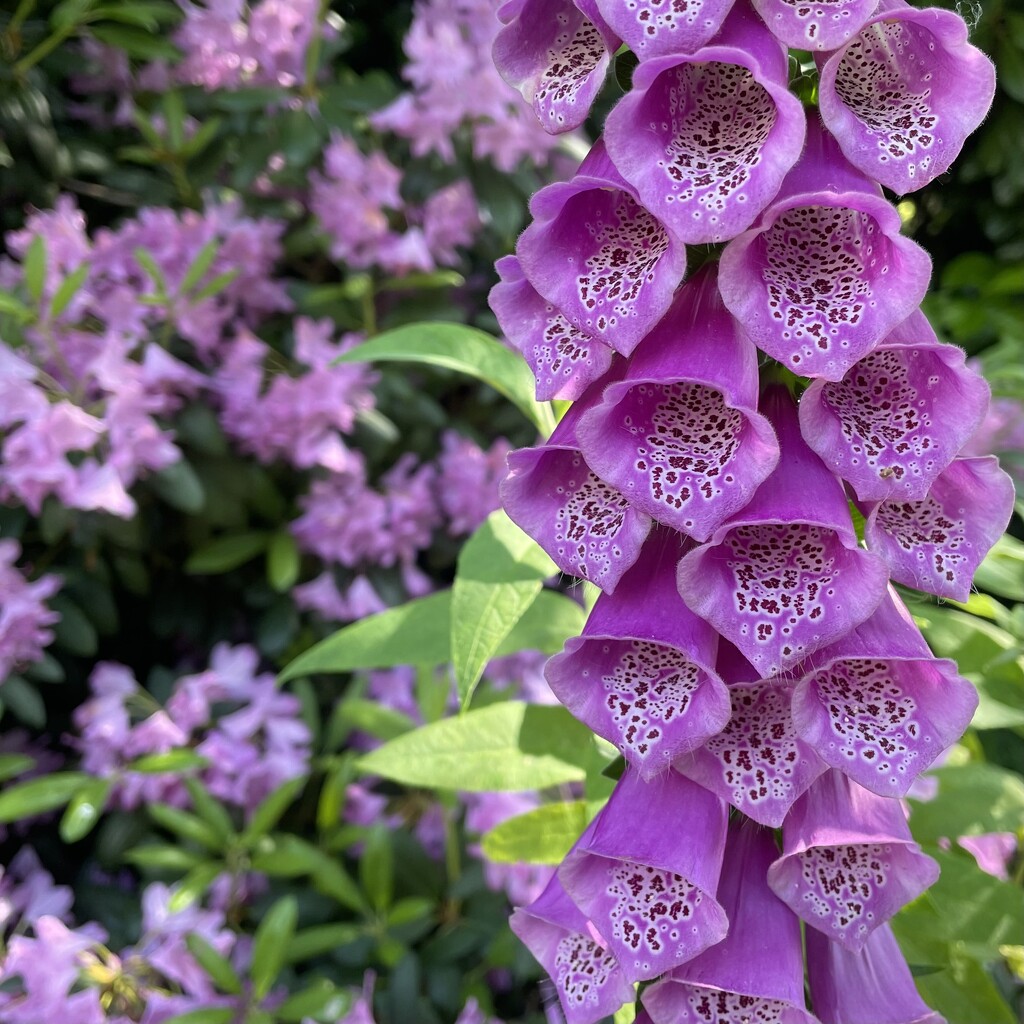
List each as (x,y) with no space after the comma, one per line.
(757,763)
(824,274)
(680,435)
(848,862)
(866,987)
(898,417)
(878,706)
(821,25)
(556,55)
(605,262)
(564,360)
(583,523)
(757,972)
(640,675)
(937,544)
(706,139)
(589,981)
(646,870)
(785,576)
(903,95)
(661,28)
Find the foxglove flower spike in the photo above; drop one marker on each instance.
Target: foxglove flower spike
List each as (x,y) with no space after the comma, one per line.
(660,28)
(816,26)
(641,675)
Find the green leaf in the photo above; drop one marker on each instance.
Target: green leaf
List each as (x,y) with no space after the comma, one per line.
(321,939)
(22,699)
(270,943)
(216,285)
(162,857)
(1002,571)
(14,764)
(417,633)
(74,632)
(368,716)
(289,856)
(541,836)
(972,799)
(34,267)
(186,826)
(500,573)
(179,485)
(377,868)
(505,747)
(203,136)
(177,760)
(226,553)
(142,256)
(37,796)
(282,561)
(84,810)
(194,885)
(461,348)
(200,265)
(209,1015)
(217,966)
(13,305)
(964,993)
(68,289)
(269,812)
(210,809)
(136,42)
(321,1001)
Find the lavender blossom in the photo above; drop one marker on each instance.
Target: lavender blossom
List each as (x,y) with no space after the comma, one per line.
(650,891)
(640,675)
(903,95)
(680,436)
(607,264)
(706,139)
(824,274)
(848,862)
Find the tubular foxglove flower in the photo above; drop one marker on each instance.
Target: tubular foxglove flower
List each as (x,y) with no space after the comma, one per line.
(878,706)
(898,417)
(872,986)
(564,360)
(650,890)
(785,576)
(640,675)
(680,435)
(583,523)
(937,544)
(556,56)
(848,862)
(757,763)
(818,25)
(660,28)
(903,95)
(825,274)
(589,982)
(706,139)
(607,264)
(756,974)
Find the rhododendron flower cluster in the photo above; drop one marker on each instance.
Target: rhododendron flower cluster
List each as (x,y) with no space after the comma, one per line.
(730,428)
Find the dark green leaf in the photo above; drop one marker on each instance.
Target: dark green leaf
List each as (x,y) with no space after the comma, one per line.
(226,553)
(282,561)
(972,799)
(137,42)
(376,868)
(217,966)
(185,825)
(270,944)
(84,810)
(162,857)
(34,267)
(269,812)
(37,796)
(68,289)
(321,939)
(210,809)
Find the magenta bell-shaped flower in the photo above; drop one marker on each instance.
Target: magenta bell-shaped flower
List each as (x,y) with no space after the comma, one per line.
(589,982)
(680,435)
(648,888)
(785,577)
(871,986)
(817,26)
(848,861)
(564,360)
(878,706)
(583,523)
(706,139)
(824,274)
(556,56)
(757,763)
(938,543)
(898,417)
(660,28)
(641,675)
(756,974)
(609,265)
(904,93)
